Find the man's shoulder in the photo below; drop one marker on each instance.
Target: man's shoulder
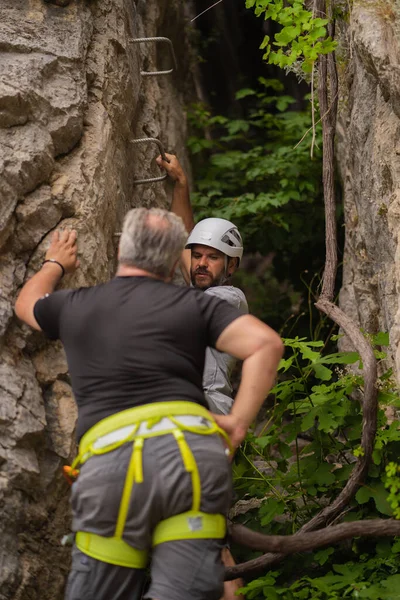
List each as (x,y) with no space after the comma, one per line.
(231,294)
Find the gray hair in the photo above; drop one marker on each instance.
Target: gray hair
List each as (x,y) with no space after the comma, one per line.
(152,239)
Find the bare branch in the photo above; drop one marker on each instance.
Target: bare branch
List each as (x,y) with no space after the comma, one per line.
(303,542)
(325,304)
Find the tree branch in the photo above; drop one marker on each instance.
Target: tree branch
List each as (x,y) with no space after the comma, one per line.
(303,542)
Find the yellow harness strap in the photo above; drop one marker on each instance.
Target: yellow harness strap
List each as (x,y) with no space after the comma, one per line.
(151,413)
(190,525)
(193,524)
(190,466)
(134,473)
(111,550)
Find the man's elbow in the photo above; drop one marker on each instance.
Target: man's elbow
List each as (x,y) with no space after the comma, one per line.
(25,313)
(19,308)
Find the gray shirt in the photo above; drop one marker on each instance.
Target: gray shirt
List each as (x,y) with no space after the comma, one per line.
(219,366)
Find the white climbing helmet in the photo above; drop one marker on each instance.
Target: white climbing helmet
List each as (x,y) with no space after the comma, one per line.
(219,234)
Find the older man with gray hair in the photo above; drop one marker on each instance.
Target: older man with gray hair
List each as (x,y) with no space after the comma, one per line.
(153,468)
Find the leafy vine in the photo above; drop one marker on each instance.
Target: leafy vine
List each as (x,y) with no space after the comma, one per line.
(302,37)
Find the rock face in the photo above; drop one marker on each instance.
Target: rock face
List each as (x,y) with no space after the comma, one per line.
(71,100)
(368,153)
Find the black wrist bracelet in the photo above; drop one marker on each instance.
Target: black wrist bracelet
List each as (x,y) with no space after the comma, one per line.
(53,260)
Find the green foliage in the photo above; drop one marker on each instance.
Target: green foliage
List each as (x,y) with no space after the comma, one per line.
(302,37)
(369,579)
(248,170)
(299,461)
(392,483)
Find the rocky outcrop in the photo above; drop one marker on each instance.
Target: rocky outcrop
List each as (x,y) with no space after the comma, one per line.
(71,100)
(368,152)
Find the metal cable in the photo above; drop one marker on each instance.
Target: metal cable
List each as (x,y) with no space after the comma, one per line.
(162,152)
(156,39)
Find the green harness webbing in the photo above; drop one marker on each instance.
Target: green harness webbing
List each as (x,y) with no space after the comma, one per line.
(193,524)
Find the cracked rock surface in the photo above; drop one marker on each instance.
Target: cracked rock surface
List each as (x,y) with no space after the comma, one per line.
(368,154)
(71,99)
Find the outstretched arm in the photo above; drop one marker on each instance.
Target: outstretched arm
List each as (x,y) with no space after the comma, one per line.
(181,199)
(181,205)
(63,250)
(261,349)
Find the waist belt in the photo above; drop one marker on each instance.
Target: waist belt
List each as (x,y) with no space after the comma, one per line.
(135,425)
(164,426)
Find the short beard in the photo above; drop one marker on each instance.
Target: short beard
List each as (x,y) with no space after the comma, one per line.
(214,283)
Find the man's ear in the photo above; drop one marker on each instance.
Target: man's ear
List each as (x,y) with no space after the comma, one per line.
(233,264)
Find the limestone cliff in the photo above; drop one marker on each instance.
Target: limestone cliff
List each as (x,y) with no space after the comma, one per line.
(368,153)
(71,99)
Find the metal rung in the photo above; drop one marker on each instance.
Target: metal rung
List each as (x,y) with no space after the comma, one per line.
(161,148)
(156,39)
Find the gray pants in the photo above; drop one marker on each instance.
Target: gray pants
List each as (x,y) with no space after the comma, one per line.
(179,570)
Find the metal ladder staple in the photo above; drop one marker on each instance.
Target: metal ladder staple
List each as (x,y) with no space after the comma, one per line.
(162,152)
(157,40)
(148,179)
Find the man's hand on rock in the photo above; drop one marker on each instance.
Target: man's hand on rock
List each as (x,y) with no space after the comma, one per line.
(63,250)
(173,168)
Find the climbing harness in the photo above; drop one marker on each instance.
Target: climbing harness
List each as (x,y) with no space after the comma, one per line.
(157,40)
(136,425)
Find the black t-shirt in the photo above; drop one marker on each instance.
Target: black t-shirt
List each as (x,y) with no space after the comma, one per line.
(133,341)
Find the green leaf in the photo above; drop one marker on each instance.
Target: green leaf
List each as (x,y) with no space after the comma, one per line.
(285,364)
(237,125)
(322,372)
(323,475)
(381,339)
(270,509)
(286,35)
(380,494)
(392,584)
(244,93)
(264,441)
(284,450)
(316,33)
(323,555)
(265,42)
(340,358)
(270,593)
(283,102)
(320,22)
(363,495)
(309,420)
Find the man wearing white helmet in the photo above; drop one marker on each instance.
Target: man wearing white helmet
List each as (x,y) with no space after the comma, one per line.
(213,253)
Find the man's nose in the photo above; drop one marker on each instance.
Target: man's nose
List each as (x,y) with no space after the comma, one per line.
(203,261)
